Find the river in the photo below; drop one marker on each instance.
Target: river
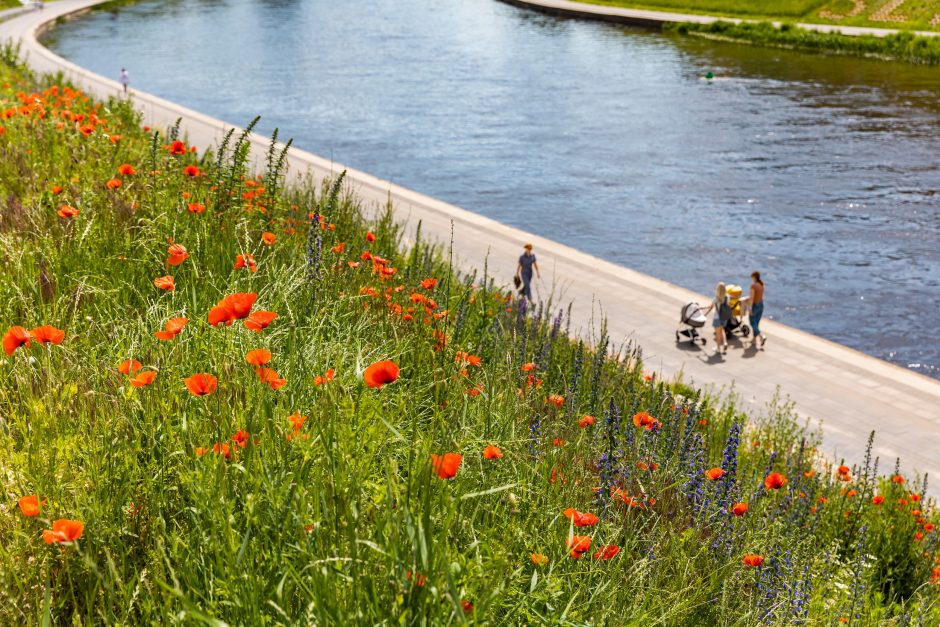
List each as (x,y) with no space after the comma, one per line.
(822,172)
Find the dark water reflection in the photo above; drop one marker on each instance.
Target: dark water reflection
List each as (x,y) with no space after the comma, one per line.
(820,171)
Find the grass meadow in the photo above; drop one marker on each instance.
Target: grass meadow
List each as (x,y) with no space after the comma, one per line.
(224,400)
(896,47)
(902,14)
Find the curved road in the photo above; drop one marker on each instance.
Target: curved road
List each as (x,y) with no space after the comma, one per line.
(850,393)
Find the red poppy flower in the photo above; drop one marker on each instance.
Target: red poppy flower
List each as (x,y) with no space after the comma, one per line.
(196,207)
(14,338)
(326,378)
(113,183)
(559,442)
(555,399)
(173,328)
(429,284)
(297,420)
(177,148)
(418,577)
(492,452)
(643,419)
(538,559)
(579,545)
(527,367)
(200,451)
(233,307)
(260,320)
(606,552)
(221,448)
(580,519)
(64,530)
(47,333)
(380,373)
(143,379)
(258,357)
(586,421)
(739,509)
(246,260)
(191,170)
(165,283)
(201,384)
(714,474)
(177,254)
(467,358)
(241,438)
(370,237)
(774,481)
(128,366)
(30,505)
(446,467)
(898,479)
(752,559)
(126,169)
(66,211)
(467,606)
(339,248)
(268,238)
(878,500)
(56,189)
(843,470)
(271,377)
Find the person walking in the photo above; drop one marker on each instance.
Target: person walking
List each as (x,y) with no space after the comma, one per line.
(125,78)
(527,263)
(757,307)
(722,315)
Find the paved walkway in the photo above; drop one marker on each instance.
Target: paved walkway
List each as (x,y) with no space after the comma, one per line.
(644,17)
(849,392)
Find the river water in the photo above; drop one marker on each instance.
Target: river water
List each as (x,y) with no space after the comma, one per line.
(821,172)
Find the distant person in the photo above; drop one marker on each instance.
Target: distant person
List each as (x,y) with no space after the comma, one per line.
(757,307)
(125,78)
(524,271)
(722,314)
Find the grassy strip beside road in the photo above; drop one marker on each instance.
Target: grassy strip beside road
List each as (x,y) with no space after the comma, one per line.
(897,14)
(899,47)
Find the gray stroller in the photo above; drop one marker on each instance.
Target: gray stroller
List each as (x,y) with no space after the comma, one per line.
(691,319)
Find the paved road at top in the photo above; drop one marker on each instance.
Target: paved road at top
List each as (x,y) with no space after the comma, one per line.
(850,393)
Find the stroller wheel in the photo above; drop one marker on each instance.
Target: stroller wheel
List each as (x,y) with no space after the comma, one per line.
(703,341)
(745,331)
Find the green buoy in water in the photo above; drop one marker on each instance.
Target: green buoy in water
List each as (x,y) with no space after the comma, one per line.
(709,75)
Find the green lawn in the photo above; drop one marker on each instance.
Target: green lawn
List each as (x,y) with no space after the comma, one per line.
(909,14)
(400,444)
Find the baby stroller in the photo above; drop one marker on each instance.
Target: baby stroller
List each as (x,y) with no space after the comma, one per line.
(735,323)
(691,317)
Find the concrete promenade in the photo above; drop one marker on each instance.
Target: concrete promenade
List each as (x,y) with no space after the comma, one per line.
(644,17)
(850,393)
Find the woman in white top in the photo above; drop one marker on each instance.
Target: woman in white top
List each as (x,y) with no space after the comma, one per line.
(721,297)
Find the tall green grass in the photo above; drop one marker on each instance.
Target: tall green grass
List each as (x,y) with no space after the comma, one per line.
(900,47)
(783,8)
(342,519)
